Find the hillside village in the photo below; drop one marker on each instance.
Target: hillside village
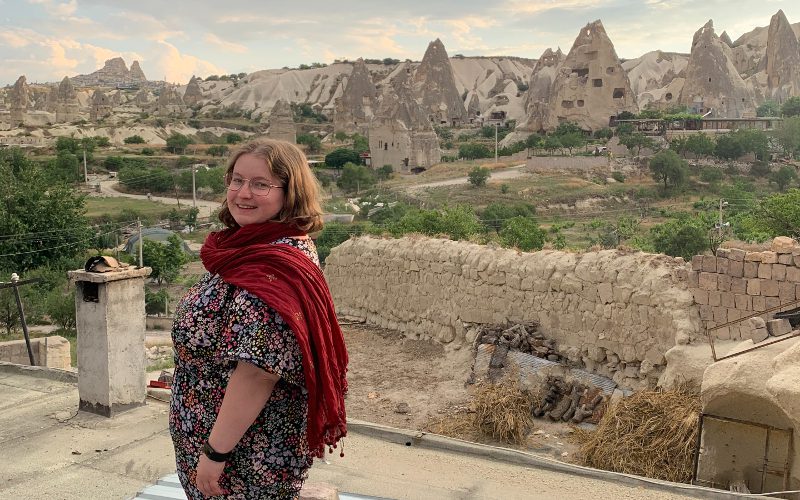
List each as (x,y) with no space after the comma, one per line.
(611,242)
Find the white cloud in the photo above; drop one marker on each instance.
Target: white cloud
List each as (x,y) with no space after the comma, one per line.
(223,44)
(176,67)
(57,9)
(527,7)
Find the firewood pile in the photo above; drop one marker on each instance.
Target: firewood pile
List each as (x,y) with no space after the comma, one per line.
(523,338)
(570,402)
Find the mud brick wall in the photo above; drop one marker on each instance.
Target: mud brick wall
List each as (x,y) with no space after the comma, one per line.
(614,312)
(736,283)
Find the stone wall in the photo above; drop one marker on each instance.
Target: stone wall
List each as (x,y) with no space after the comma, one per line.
(617,313)
(52,352)
(735,284)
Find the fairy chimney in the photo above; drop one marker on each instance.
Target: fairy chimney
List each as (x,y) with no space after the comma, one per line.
(713,86)
(281,122)
(136,74)
(66,102)
(19,98)
(169,102)
(101,106)
(193,94)
(537,100)
(435,87)
(355,108)
(590,86)
(782,59)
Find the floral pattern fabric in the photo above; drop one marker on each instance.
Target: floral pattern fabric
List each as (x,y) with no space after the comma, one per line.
(216,325)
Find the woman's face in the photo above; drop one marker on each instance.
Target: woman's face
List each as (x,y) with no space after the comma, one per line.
(254,202)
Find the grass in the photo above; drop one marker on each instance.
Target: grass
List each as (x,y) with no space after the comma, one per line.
(100,206)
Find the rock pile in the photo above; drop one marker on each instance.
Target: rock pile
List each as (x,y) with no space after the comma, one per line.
(570,401)
(523,338)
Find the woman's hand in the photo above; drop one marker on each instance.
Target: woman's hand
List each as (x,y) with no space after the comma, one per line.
(208,474)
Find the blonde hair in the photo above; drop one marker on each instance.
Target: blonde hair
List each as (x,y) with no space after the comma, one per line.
(289,165)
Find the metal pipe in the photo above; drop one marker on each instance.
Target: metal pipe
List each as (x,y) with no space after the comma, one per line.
(14,282)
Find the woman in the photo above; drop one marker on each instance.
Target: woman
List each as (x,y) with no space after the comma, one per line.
(260,359)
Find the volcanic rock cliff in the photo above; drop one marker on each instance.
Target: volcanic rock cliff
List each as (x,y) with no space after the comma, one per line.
(355,108)
(435,87)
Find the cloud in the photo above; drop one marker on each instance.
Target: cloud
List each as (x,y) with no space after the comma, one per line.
(57,9)
(528,7)
(177,67)
(225,45)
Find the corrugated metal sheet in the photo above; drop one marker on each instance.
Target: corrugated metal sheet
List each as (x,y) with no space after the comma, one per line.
(169,488)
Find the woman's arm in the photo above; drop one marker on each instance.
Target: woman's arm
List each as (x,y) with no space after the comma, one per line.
(248,391)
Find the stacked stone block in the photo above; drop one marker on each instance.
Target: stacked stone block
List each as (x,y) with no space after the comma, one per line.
(615,313)
(736,283)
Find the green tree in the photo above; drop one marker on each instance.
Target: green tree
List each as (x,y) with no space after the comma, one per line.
(787,134)
(624,129)
(311,141)
(339,157)
(233,138)
(355,178)
(134,139)
(165,259)
(191,218)
(681,237)
(680,144)
(784,176)
(637,141)
(496,213)
(667,167)
(768,108)
(473,150)
(60,307)
(728,147)
(217,150)
(360,143)
(791,107)
(753,141)
(551,143)
(700,145)
(572,140)
(478,176)
(384,173)
(603,133)
(66,167)
(177,143)
(523,233)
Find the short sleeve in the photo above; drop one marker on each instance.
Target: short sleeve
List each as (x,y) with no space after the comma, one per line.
(257,334)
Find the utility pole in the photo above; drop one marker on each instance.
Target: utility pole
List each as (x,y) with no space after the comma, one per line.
(141,243)
(194,188)
(495,141)
(15,284)
(85,171)
(720,225)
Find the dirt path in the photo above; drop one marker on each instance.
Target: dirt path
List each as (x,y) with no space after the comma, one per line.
(507,173)
(206,207)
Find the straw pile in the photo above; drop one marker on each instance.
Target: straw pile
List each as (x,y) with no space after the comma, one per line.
(501,411)
(649,434)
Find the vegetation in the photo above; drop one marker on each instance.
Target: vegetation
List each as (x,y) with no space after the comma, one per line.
(478,176)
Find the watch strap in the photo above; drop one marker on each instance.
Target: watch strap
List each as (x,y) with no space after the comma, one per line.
(214,455)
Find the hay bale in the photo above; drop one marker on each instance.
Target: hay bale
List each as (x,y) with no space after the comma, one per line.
(503,410)
(650,434)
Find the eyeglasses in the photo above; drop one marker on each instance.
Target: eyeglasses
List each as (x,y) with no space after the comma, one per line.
(258,186)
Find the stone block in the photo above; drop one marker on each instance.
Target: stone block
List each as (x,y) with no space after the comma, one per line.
(723,252)
(735,268)
(700,296)
(722,334)
(754,286)
(786,291)
(743,302)
(772,302)
(720,314)
(708,281)
(759,303)
(736,254)
(727,299)
(783,245)
(750,269)
(693,279)
(706,313)
(778,327)
(768,257)
(765,271)
(758,335)
(786,259)
(738,285)
(606,293)
(724,283)
(769,288)
(709,264)
(793,274)
(778,272)
(752,257)
(697,263)
(714,298)
(722,265)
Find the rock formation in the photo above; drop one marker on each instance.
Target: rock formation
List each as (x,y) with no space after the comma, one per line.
(193,94)
(726,39)
(782,59)
(101,106)
(169,102)
(590,86)
(537,100)
(712,83)
(114,72)
(143,98)
(401,134)
(657,78)
(281,122)
(355,108)
(136,74)
(19,97)
(435,87)
(66,102)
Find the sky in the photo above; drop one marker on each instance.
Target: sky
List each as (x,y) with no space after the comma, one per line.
(46,40)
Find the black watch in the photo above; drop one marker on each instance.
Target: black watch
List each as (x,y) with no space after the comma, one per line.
(214,455)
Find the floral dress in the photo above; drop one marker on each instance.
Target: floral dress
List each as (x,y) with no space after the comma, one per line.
(216,325)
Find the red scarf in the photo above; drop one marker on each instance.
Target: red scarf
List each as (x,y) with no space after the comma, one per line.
(286,279)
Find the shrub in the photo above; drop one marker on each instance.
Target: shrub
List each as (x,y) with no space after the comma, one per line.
(134,139)
(478,176)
